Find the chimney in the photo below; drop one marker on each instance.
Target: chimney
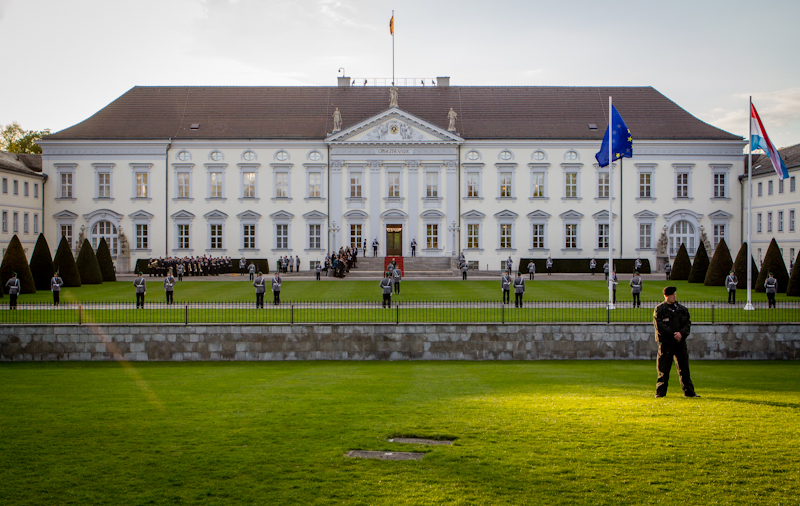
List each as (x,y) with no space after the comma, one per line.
(343,81)
(442,81)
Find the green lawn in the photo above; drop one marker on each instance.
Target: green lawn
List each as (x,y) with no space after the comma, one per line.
(276,433)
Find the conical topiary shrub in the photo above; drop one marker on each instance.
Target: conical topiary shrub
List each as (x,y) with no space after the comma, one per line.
(64,263)
(42,264)
(773,262)
(682,265)
(721,265)
(88,266)
(697,274)
(105,261)
(740,268)
(793,287)
(15,261)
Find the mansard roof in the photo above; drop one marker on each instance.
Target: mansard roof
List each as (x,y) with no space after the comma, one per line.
(484,112)
(790,156)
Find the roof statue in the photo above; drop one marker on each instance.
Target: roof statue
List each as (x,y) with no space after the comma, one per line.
(337,120)
(393,96)
(451,116)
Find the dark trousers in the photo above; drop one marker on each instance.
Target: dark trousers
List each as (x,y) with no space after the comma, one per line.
(592,272)
(396,287)
(771,299)
(259,300)
(637,302)
(169,297)
(518,300)
(606,274)
(667,353)
(614,296)
(12,304)
(667,276)
(55,298)
(318,273)
(414,251)
(140,300)
(731,296)
(549,271)
(276,296)
(251,276)
(374,251)
(180,276)
(506,296)
(387,300)
(531,273)
(464,275)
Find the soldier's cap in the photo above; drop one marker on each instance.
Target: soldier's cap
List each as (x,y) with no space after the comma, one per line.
(769,273)
(13,273)
(259,273)
(636,272)
(669,290)
(731,272)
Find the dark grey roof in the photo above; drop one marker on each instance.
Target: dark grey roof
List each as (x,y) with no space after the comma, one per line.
(30,165)
(306,112)
(790,156)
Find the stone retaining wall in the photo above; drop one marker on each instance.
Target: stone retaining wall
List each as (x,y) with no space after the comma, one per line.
(387,342)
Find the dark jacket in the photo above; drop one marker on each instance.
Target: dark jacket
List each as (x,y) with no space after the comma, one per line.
(671,318)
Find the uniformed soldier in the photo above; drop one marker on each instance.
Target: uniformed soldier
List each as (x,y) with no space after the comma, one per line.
(141,289)
(413,247)
(531,270)
(276,289)
(549,265)
(505,287)
(605,270)
(252,270)
(55,286)
(637,264)
(291,263)
(667,270)
(771,286)
(318,270)
(636,289)
(672,327)
(180,271)
(731,283)
(397,276)
(375,247)
(519,289)
(169,287)
(297,262)
(242,265)
(464,269)
(509,264)
(14,287)
(592,265)
(261,286)
(614,282)
(386,287)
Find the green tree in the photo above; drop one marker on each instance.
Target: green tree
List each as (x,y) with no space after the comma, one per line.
(42,264)
(15,261)
(105,261)
(740,268)
(773,262)
(64,263)
(721,265)
(682,265)
(697,274)
(88,266)
(793,287)
(15,139)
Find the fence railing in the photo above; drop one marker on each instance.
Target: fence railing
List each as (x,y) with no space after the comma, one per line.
(373,312)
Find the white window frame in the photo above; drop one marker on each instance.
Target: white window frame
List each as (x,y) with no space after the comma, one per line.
(571,217)
(391,173)
(5,185)
(792,185)
(601,218)
(145,238)
(15,222)
(717,237)
(248,219)
(282,218)
(359,175)
(758,223)
(539,218)
(101,169)
(317,170)
(780,220)
(781,186)
(477,169)
(16,187)
(183,168)
(182,218)
(769,222)
(473,218)
(760,189)
(25,223)
(509,169)
(645,217)
(433,174)
(650,171)
(723,170)
(215,218)
(283,169)
(61,170)
(136,169)
(216,168)
(506,218)
(571,168)
(683,168)
(432,241)
(141,217)
(791,220)
(536,170)
(601,172)
(247,168)
(317,218)
(35,223)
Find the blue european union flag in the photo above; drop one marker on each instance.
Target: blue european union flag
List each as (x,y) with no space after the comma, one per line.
(623,141)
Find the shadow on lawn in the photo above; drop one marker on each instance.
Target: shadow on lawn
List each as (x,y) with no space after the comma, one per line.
(774,404)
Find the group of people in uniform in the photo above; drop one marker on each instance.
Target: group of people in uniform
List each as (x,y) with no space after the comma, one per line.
(190,266)
(287,264)
(261,287)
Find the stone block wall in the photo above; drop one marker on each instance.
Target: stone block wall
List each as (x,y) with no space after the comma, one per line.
(387,342)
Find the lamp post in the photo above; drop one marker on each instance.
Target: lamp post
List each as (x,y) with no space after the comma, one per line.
(454,229)
(333,228)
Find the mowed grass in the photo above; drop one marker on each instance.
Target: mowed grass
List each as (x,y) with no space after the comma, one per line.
(346,290)
(276,433)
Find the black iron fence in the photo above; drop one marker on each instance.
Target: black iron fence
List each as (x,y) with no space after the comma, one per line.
(374,312)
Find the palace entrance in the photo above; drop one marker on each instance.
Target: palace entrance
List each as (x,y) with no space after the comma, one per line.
(394,240)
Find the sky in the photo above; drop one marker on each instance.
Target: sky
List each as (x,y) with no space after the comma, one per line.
(65,60)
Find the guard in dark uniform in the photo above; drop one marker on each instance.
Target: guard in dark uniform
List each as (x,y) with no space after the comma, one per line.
(672,327)
(141,289)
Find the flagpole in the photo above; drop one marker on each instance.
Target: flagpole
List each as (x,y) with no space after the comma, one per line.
(392,47)
(610,206)
(749,305)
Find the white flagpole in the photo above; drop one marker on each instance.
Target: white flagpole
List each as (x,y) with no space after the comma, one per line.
(749,305)
(392,47)
(610,207)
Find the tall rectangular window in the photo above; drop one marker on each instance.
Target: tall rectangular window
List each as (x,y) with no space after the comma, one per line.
(791,184)
(780,185)
(183,184)
(282,236)
(5,222)
(719,186)
(66,233)
(760,189)
(183,236)
(538,235)
(314,236)
(314,185)
(282,185)
(355,236)
(66,185)
(644,185)
(248,185)
(719,234)
(394,184)
(505,184)
(36,190)
(602,235)
(216,236)
(791,220)
(571,185)
(769,187)
(141,236)
(645,237)
(103,185)
(473,238)
(25,229)
(473,184)
(431,184)
(602,185)
(758,222)
(432,236)
(769,221)
(141,185)
(25,188)
(355,185)
(35,223)
(537,184)
(780,221)
(215,185)
(16,187)
(248,236)
(682,189)
(505,235)
(571,236)
(15,222)
(5,185)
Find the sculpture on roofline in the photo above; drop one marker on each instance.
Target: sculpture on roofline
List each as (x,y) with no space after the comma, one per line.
(337,120)
(393,96)
(451,116)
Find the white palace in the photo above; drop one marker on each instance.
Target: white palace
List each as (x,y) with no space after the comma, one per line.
(490,171)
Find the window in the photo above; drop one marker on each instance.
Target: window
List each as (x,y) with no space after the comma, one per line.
(248,156)
(791,220)
(36,190)
(314,237)
(644,185)
(432,236)
(538,235)
(431,184)
(105,230)
(141,185)
(282,185)
(682,188)
(505,185)
(760,189)
(183,236)
(249,236)
(719,186)
(315,156)
(25,188)
(394,184)
(281,156)
(769,222)
(355,236)
(141,236)
(769,187)
(570,236)
(282,236)
(184,182)
(791,184)
(537,184)
(681,232)
(35,223)
(719,234)
(355,185)
(505,235)
(66,185)
(184,156)
(505,155)
(216,156)
(780,221)
(16,187)
(780,186)
(538,155)
(473,184)
(758,223)
(216,236)
(473,237)
(314,185)
(25,229)
(5,222)
(602,185)
(249,184)
(645,236)
(571,185)
(473,155)
(103,185)
(5,185)
(15,222)
(66,233)
(215,185)
(571,155)
(602,236)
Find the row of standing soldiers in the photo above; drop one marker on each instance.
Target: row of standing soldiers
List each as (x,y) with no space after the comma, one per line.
(190,266)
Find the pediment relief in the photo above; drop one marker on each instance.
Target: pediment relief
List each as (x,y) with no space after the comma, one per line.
(394,126)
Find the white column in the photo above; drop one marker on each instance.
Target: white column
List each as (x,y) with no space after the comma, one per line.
(451,198)
(413,206)
(336,202)
(375,192)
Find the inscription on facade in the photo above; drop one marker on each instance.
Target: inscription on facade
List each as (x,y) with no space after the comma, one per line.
(394,151)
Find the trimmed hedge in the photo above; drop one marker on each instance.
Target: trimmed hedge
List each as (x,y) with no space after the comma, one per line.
(88,266)
(64,263)
(15,261)
(42,264)
(773,262)
(740,268)
(720,266)
(581,265)
(793,287)
(105,261)
(682,265)
(697,274)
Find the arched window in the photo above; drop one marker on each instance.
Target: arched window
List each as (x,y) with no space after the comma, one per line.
(681,232)
(109,231)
